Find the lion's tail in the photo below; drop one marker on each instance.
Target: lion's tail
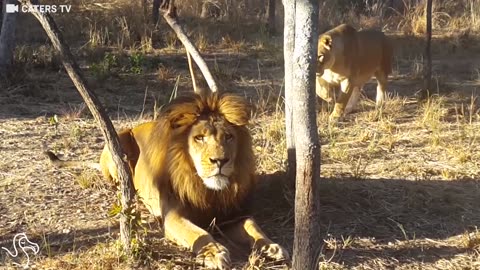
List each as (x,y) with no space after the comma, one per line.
(64,163)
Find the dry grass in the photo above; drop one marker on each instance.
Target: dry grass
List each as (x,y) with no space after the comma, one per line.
(399,186)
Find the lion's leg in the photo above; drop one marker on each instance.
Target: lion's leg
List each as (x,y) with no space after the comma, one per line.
(342,100)
(352,102)
(382,81)
(248,232)
(183,232)
(323,89)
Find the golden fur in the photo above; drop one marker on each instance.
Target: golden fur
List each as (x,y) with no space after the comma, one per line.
(349,58)
(194,165)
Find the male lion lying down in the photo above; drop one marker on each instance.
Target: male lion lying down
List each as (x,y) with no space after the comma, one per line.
(348,59)
(195,165)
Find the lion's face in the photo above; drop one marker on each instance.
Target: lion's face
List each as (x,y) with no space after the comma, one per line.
(325,55)
(212,145)
(209,134)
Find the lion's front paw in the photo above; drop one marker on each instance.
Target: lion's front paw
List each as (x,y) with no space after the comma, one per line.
(271,250)
(275,252)
(214,256)
(335,116)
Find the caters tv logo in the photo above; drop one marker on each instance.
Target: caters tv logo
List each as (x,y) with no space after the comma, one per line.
(13,8)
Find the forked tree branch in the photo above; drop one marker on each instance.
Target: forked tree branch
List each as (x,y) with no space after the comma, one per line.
(192,74)
(170,16)
(98,112)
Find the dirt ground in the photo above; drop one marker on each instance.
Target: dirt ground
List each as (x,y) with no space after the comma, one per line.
(399,188)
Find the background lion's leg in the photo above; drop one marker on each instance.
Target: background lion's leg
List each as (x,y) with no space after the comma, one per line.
(248,232)
(342,100)
(323,89)
(382,80)
(183,232)
(352,102)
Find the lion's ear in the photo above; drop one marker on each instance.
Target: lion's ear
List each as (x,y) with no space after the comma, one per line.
(235,109)
(182,120)
(327,42)
(182,111)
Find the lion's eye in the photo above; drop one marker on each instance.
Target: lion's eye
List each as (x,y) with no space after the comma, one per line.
(199,138)
(228,137)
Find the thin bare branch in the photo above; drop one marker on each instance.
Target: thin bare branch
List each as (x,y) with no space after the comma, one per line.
(192,73)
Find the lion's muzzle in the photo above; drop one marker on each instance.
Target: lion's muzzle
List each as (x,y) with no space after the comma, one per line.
(219,174)
(219,161)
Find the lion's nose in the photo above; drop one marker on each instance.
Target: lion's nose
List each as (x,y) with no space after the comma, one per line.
(219,161)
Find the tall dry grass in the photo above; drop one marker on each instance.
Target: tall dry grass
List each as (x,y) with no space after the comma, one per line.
(405,15)
(125,25)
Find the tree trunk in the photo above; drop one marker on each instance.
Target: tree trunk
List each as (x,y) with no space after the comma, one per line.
(145,9)
(271,17)
(2,9)
(106,126)
(306,244)
(427,59)
(7,38)
(155,11)
(288,47)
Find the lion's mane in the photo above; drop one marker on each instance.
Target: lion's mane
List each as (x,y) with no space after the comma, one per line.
(170,161)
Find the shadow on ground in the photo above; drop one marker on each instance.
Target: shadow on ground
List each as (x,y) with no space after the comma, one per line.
(363,220)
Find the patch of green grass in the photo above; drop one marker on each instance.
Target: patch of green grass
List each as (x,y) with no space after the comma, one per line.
(104,69)
(137,62)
